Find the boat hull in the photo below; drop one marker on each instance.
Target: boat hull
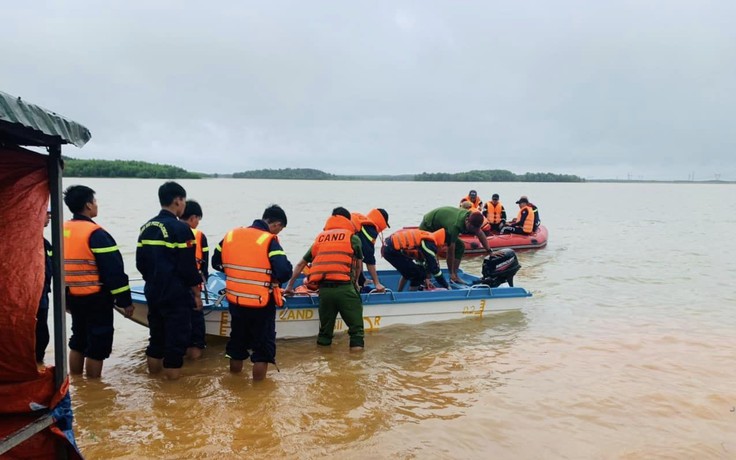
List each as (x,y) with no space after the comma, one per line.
(300,315)
(473,247)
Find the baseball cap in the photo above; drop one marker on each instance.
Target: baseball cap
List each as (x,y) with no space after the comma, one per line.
(523,199)
(495,196)
(379,216)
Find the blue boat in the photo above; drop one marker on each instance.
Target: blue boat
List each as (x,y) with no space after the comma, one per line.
(300,316)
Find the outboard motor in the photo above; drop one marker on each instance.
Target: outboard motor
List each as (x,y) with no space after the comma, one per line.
(500,267)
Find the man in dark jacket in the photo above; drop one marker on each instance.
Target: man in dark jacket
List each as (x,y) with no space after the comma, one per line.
(95,281)
(165,257)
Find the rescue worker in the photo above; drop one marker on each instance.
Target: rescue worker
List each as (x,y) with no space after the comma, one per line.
(95,282)
(455,221)
(165,258)
(255,265)
(495,213)
(42,314)
(192,216)
(413,253)
(537,220)
(524,221)
(367,227)
(336,257)
(474,200)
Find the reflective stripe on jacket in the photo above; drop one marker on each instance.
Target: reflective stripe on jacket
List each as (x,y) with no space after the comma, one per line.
(245,259)
(332,252)
(82,276)
(494,212)
(409,238)
(359,220)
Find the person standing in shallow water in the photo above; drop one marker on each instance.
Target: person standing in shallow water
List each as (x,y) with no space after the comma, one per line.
(95,281)
(337,258)
(165,258)
(191,216)
(255,265)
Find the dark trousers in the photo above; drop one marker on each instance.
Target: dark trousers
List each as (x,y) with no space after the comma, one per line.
(405,265)
(252,329)
(42,332)
(92,325)
(515,230)
(170,330)
(198,330)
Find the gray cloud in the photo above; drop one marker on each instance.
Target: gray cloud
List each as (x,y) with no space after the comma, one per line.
(599,89)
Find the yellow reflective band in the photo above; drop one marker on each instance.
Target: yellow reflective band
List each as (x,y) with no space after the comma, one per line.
(50,253)
(67,233)
(424,246)
(104,250)
(119,290)
(367,235)
(229,236)
(218,247)
(205,249)
(276,253)
(262,238)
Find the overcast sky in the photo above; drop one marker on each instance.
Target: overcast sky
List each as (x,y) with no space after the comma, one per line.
(601,89)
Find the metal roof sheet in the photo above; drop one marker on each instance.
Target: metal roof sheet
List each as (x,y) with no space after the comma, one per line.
(23,123)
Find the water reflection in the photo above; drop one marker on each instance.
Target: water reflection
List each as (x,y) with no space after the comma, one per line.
(322,399)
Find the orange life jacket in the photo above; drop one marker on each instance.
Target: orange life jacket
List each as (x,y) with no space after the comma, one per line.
(359,220)
(486,227)
(475,203)
(248,268)
(198,250)
(81,274)
(494,212)
(332,252)
(410,238)
(529,222)
(378,220)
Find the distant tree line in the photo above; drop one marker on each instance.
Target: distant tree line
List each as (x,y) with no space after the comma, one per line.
(141,169)
(124,168)
(496,175)
(286,173)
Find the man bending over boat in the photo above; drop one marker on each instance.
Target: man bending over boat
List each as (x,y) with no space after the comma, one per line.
(413,253)
(337,257)
(255,265)
(96,281)
(368,227)
(165,258)
(455,221)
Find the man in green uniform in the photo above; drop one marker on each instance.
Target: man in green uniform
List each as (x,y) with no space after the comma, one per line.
(455,221)
(337,258)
